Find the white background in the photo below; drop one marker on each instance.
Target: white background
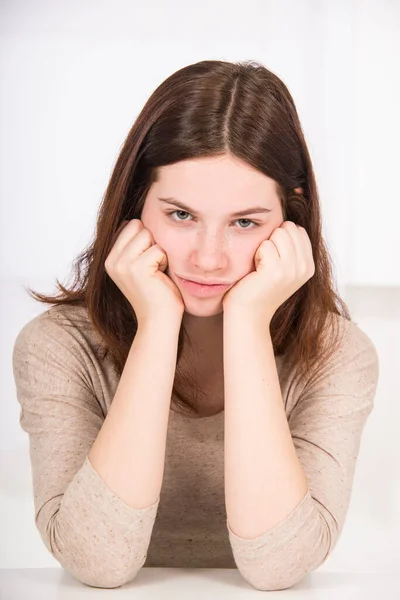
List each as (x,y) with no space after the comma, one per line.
(74,77)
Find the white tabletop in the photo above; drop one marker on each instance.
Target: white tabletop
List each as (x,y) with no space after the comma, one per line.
(154,583)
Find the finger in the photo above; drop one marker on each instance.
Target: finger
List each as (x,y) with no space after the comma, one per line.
(307,251)
(306,258)
(300,238)
(124,235)
(305,236)
(284,244)
(117,232)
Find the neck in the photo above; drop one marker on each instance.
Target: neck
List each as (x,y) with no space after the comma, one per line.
(203,329)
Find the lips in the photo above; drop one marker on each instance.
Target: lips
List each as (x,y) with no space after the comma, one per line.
(206,282)
(202,291)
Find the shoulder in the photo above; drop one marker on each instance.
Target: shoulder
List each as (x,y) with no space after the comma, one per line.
(61,330)
(349,368)
(355,349)
(352,368)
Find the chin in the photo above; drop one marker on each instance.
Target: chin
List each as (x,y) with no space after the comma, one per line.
(204,311)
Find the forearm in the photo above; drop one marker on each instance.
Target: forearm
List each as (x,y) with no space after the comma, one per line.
(264,480)
(129,451)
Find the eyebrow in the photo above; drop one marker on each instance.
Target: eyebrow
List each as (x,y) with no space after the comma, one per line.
(248,211)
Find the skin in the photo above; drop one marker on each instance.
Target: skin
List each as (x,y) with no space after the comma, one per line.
(264,479)
(207,242)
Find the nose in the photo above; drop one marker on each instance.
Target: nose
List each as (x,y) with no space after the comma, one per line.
(209,253)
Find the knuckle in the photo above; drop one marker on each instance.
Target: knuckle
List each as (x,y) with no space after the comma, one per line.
(119,268)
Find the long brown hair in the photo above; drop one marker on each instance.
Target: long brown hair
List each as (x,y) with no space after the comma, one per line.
(212,108)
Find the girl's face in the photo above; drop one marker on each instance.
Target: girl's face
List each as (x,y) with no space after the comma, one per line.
(198,229)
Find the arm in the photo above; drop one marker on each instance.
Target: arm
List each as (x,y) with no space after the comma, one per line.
(285,513)
(98,530)
(129,452)
(264,480)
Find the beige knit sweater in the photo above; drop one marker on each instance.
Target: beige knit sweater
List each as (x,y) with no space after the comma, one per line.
(65,389)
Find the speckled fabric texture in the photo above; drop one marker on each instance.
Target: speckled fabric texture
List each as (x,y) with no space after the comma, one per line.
(65,390)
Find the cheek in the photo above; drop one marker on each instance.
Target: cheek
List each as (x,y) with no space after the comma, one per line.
(250,248)
(241,257)
(240,252)
(168,241)
(157,229)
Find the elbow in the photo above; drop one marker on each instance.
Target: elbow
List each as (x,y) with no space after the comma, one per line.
(95,563)
(275,573)
(107,578)
(275,582)
(86,571)
(283,566)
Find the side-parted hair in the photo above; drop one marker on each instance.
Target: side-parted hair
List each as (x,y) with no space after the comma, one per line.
(208,109)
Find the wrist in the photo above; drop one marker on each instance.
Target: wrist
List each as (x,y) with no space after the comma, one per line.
(249,319)
(161,323)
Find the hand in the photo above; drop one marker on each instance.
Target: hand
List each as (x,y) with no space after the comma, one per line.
(284,262)
(137,264)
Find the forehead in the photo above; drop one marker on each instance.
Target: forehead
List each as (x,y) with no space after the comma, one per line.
(215,179)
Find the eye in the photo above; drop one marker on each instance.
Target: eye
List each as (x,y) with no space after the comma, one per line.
(249,221)
(171,215)
(177,211)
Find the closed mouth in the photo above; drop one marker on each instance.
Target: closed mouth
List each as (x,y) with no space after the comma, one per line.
(205,283)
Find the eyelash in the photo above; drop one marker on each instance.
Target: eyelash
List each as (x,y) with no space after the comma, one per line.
(171,212)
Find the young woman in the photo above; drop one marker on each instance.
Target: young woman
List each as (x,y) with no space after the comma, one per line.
(184,425)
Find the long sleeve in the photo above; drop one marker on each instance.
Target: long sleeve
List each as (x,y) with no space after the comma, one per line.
(326,424)
(89,530)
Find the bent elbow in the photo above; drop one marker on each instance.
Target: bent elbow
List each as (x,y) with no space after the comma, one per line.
(107,578)
(280,583)
(106,564)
